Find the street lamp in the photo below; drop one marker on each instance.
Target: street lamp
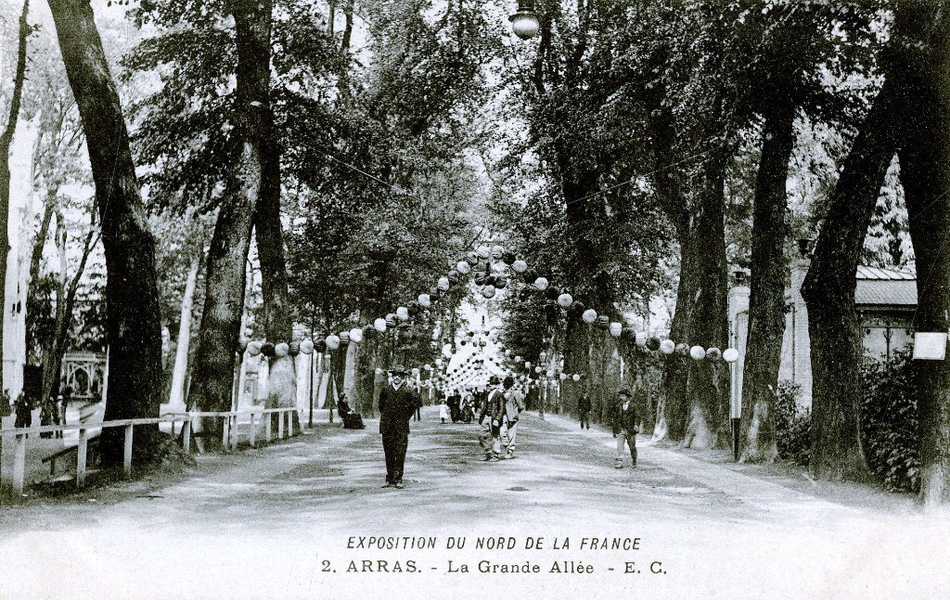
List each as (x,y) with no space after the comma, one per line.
(524,23)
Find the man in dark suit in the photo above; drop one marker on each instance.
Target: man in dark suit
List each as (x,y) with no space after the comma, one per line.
(397,403)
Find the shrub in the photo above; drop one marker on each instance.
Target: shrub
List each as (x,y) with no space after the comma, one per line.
(792,424)
(889,434)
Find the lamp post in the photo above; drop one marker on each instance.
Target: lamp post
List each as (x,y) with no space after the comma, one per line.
(524,23)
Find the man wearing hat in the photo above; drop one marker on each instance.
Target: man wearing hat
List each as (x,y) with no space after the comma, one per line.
(626,425)
(494,409)
(397,403)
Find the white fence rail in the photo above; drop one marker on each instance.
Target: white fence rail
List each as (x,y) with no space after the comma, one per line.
(229,438)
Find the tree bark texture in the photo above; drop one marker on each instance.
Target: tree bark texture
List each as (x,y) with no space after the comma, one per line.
(278,322)
(6,140)
(767,287)
(707,387)
(226,275)
(133,320)
(828,290)
(924,156)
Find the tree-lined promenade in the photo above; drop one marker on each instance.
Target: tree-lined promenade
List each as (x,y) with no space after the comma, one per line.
(293,520)
(292,171)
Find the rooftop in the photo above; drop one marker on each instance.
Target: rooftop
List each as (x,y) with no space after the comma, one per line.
(885,287)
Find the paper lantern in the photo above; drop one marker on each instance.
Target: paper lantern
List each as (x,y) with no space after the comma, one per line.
(565,300)
(424,300)
(488,291)
(402,313)
(641,338)
(344,337)
(575,377)
(391,320)
(508,258)
(589,316)
(501,282)
(667,346)
(463,267)
(471,258)
(452,276)
(562,376)
(519,266)
(443,283)
(682,349)
(333,342)
(730,355)
(541,283)
(713,353)
(380,325)
(242,344)
(497,252)
(697,353)
(483,252)
(616,329)
(356,335)
(306,347)
(254,348)
(603,322)
(281,350)
(653,343)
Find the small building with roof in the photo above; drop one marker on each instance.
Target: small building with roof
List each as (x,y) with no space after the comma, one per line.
(886,300)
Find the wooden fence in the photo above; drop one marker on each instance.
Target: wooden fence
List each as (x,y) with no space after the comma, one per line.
(229,438)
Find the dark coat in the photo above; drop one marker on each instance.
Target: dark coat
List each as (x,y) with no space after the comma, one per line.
(396,408)
(583,405)
(625,420)
(494,405)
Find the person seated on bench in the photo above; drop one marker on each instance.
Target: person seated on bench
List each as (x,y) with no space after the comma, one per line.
(342,408)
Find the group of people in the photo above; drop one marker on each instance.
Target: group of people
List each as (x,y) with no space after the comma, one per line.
(457,407)
(502,407)
(52,411)
(499,414)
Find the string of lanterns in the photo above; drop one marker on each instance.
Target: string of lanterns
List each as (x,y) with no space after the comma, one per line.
(489,266)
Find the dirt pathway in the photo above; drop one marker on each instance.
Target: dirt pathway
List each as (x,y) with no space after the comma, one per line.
(307,518)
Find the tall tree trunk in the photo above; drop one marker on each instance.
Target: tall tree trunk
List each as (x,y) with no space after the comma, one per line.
(6,140)
(925,174)
(133,319)
(176,396)
(708,398)
(278,323)
(227,256)
(767,297)
(828,290)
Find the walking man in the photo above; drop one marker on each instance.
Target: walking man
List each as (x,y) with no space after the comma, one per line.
(626,425)
(398,402)
(583,407)
(514,404)
(494,409)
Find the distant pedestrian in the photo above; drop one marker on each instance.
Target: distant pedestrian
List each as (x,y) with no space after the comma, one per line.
(398,402)
(626,426)
(443,411)
(24,411)
(514,404)
(414,384)
(493,408)
(6,408)
(583,409)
